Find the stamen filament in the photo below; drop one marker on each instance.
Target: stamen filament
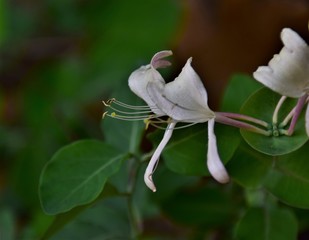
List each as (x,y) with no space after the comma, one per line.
(130,113)
(275,114)
(128,118)
(136,107)
(287,118)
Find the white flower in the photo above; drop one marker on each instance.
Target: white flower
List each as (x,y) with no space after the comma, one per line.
(288,72)
(183,100)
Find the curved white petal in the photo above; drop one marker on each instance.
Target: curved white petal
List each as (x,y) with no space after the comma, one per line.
(155,157)
(287,72)
(184,99)
(214,163)
(307,120)
(138,81)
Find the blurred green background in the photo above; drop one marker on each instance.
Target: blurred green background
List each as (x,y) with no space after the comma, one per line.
(60,58)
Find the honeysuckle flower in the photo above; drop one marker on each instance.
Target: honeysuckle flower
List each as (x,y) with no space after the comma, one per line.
(182,100)
(288,72)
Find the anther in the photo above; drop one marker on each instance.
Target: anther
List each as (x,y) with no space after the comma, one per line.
(110,101)
(104,114)
(105,103)
(147,122)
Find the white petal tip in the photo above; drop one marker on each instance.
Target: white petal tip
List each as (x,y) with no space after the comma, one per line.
(149,183)
(225,180)
(291,39)
(219,174)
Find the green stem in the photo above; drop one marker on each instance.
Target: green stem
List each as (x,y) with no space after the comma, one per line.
(135,222)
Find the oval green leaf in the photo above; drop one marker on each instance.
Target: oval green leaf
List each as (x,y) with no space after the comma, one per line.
(288,180)
(264,224)
(76,175)
(261,105)
(243,86)
(199,207)
(248,167)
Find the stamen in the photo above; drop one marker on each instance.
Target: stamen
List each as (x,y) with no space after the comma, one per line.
(276,111)
(129,113)
(135,107)
(104,114)
(127,118)
(287,118)
(149,121)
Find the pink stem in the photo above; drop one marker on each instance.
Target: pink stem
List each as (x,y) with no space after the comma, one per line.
(244,117)
(228,121)
(299,106)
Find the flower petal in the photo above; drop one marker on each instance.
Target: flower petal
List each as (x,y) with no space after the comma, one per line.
(184,99)
(138,81)
(157,60)
(214,163)
(287,72)
(155,157)
(307,120)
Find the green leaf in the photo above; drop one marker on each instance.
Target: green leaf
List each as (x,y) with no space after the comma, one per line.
(7,225)
(186,152)
(261,105)
(76,175)
(239,88)
(106,220)
(2,21)
(289,179)
(62,219)
(124,135)
(265,224)
(248,167)
(199,207)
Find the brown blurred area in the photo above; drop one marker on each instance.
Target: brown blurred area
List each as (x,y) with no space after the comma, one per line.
(236,36)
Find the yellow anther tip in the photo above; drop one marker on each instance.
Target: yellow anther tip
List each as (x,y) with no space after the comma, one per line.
(146,122)
(113,114)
